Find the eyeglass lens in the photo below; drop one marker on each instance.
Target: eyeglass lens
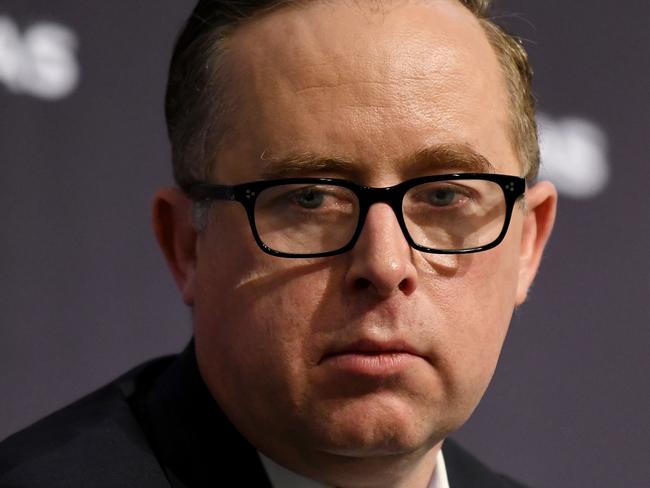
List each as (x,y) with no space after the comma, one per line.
(320,218)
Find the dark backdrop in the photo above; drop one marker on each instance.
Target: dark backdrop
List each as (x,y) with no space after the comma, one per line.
(84,292)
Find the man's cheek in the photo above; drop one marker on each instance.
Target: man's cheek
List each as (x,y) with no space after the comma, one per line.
(493,278)
(478,305)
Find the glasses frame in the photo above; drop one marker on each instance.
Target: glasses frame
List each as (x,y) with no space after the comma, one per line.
(513,188)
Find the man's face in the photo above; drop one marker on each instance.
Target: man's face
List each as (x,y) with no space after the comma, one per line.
(373,87)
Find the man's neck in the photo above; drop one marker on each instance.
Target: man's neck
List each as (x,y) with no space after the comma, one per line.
(404,471)
(281,477)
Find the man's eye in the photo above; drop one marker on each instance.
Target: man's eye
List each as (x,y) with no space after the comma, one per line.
(309,198)
(443,197)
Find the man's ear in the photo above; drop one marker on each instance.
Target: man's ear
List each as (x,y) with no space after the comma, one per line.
(176,235)
(541,203)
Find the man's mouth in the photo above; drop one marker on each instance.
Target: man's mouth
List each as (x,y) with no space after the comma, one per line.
(372,358)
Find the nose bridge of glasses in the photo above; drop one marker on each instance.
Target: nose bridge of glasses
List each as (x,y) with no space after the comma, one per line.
(391,195)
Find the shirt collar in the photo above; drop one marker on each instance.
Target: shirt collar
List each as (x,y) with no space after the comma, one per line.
(281,477)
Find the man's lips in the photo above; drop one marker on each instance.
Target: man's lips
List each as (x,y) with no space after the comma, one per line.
(372,348)
(372,358)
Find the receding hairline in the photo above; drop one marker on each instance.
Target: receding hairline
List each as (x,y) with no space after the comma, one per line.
(514,71)
(229,59)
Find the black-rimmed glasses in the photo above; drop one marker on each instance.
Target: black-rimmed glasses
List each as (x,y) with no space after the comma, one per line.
(318,217)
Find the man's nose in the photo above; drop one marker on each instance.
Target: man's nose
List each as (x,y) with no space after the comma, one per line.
(381,259)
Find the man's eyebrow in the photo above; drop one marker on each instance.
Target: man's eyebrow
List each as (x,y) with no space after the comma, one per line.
(460,158)
(305,163)
(438,158)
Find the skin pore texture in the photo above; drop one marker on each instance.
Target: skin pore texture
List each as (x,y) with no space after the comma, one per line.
(372,85)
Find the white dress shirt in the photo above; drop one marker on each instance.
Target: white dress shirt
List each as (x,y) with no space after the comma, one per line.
(283,478)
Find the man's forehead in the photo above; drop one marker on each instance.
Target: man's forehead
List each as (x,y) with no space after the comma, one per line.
(398,79)
(389,40)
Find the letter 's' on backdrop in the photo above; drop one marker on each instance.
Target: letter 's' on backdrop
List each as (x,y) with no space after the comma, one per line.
(85,294)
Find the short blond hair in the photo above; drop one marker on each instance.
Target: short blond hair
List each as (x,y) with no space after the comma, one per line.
(518,74)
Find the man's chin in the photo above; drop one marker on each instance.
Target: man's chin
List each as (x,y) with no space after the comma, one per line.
(367,435)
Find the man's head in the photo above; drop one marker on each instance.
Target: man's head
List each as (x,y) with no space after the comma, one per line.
(291,349)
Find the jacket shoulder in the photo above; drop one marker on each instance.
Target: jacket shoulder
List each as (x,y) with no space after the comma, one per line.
(466,471)
(82,444)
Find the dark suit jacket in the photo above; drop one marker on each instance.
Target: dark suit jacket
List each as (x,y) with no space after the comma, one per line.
(158,426)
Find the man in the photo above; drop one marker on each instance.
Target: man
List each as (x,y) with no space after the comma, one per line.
(352,230)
